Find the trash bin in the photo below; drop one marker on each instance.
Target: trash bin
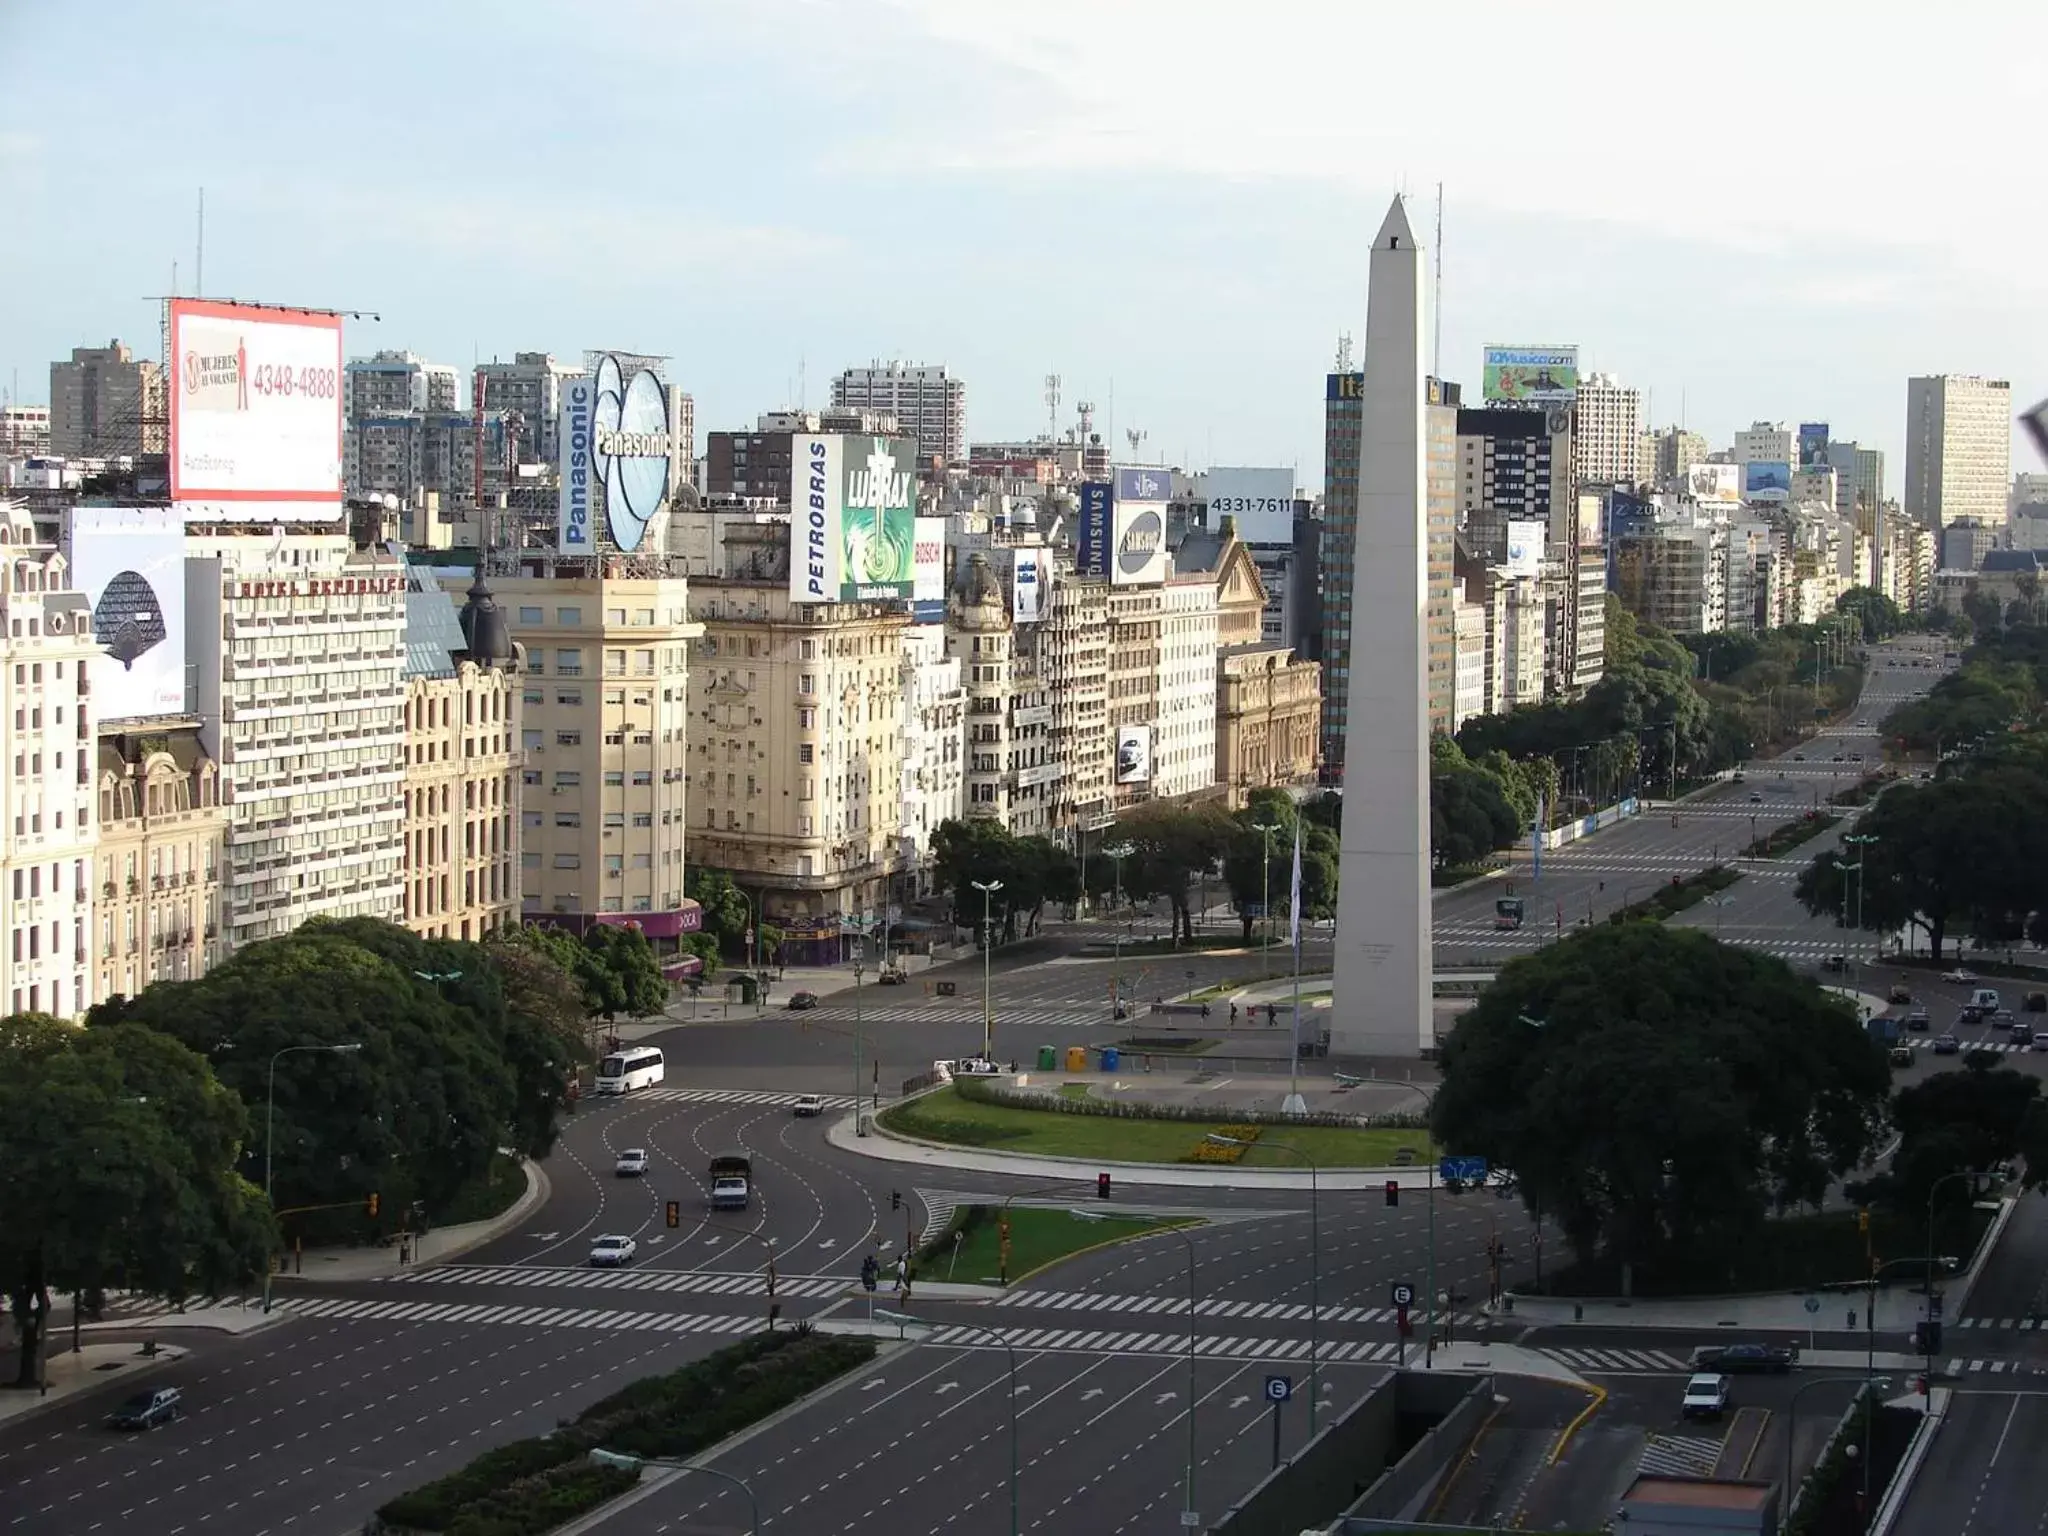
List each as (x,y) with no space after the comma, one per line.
(1048,1058)
(1077,1058)
(749,989)
(1109,1058)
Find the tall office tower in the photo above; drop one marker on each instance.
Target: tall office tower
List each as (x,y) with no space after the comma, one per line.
(1859,483)
(47,659)
(1343,403)
(530,388)
(1382,1001)
(1767,442)
(1958,449)
(1440,548)
(388,382)
(931,405)
(1607,430)
(106,403)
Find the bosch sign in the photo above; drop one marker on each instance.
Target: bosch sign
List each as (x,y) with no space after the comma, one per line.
(816,521)
(572,530)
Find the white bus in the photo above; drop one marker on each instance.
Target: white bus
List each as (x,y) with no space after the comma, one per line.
(638,1066)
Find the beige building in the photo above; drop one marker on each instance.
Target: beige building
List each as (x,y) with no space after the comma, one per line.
(796,754)
(1958,449)
(1073,655)
(603,746)
(106,403)
(47,832)
(1606,431)
(462,764)
(162,845)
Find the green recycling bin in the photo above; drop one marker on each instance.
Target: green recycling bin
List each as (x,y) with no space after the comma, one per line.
(1048,1058)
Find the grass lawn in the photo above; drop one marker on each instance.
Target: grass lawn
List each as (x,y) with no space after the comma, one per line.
(945,1116)
(1038,1238)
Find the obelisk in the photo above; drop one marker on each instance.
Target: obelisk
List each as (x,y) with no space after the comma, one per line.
(1381,1005)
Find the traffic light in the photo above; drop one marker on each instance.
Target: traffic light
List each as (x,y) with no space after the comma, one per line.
(1102,1186)
(672,1213)
(895,1199)
(370,1206)
(1393,1192)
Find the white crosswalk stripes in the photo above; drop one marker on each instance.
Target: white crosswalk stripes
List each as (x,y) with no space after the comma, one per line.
(725,1096)
(1176,1306)
(1207,1346)
(681,1282)
(2012,1324)
(1680,1455)
(1622,1361)
(346,1309)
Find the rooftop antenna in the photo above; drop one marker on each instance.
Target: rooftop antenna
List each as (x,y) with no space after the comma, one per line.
(1134,437)
(1052,407)
(1343,364)
(1436,351)
(199,267)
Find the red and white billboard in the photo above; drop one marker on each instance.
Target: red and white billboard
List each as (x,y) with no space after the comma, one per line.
(256,403)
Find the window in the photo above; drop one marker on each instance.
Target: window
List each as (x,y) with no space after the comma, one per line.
(531,616)
(569,662)
(804,753)
(529,860)
(615,617)
(568,781)
(568,738)
(568,861)
(569,618)
(809,650)
(571,700)
(614,778)
(643,776)
(530,740)
(806,718)
(643,818)
(530,776)
(806,684)
(568,818)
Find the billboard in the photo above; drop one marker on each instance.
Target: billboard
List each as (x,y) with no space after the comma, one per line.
(1138,532)
(573,528)
(1765,480)
(1030,578)
(631,448)
(131,562)
(255,402)
(1134,754)
(1344,386)
(1260,500)
(1091,533)
(1530,375)
(1143,485)
(853,504)
(1813,444)
(1525,548)
(928,560)
(1714,482)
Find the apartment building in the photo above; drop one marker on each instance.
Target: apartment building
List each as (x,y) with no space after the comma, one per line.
(1859,483)
(1767,442)
(1676,450)
(462,763)
(1073,658)
(934,750)
(1268,702)
(107,403)
(755,466)
(297,642)
(1440,540)
(387,383)
(1471,697)
(530,389)
(1343,408)
(1184,725)
(162,847)
(1958,449)
(47,842)
(929,402)
(1606,431)
(1674,576)
(24,431)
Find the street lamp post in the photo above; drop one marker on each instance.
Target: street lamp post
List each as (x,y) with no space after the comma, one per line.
(988,890)
(1927,1327)
(905,1319)
(859,965)
(1267,829)
(1315,1257)
(1869,1385)
(769,1270)
(633,1464)
(1117,852)
(270,1133)
(1859,840)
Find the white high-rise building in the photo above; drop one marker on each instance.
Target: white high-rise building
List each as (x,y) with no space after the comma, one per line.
(934,734)
(1184,729)
(1767,442)
(1958,449)
(388,382)
(930,403)
(1608,430)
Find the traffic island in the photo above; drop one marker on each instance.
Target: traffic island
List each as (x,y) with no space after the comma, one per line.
(532,1486)
(1670,900)
(970,1249)
(1782,841)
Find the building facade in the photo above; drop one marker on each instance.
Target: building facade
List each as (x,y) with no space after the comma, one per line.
(929,402)
(1343,406)
(161,850)
(24,431)
(387,383)
(106,403)
(1607,425)
(1767,442)
(933,756)
(1268,702)
(1958,449)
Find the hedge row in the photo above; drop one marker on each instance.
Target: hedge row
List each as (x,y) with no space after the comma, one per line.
(1789,836)
(977,1090)
(1669,900)
(531,1486)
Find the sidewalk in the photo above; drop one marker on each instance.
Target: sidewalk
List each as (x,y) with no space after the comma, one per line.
(436,1247)
(92,1365)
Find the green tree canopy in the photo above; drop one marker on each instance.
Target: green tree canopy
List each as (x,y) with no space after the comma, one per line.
(1962,1121)
(1031,870)
(1877,617)
(1250,876)
(727,914)
(1173,847)
(1658,1093)
(615,966)
(122,1155)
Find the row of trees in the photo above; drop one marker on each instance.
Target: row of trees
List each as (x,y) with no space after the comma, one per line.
(138,1148)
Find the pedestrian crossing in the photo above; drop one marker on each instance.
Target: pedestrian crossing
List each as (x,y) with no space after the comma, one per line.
(840,1009)
(1964,1366)
(1177,1306)
(2009,1324)
(671,1281)
(1614,1362)
(1108,1341)
(730,1096)
(346,1309)
(1680,1455)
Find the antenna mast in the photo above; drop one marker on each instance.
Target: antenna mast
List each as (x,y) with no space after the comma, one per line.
(1052,407)
(1436,350)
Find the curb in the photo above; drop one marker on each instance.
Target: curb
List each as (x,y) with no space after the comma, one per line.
(1986,1246)
(539,1190)
(1893,1504)
(44,1404)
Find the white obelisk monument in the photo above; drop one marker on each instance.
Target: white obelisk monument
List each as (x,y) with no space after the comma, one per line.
(1382,1001)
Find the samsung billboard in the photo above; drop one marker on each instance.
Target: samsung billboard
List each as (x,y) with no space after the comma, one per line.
(1092,531)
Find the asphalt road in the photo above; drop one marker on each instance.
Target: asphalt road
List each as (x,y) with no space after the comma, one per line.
(1984,1475)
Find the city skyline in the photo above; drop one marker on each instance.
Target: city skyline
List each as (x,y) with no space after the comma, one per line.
(1192,266)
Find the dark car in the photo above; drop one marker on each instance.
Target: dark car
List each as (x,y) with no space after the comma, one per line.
(1919,1018)
(798,1001)
(2037,1002)
(146,1410)
(1899,994)
(894,976)
(1947,1045)
(1970,1013)
(1835,963)
(2022,1035)
(1731,1359)
(1900,1055)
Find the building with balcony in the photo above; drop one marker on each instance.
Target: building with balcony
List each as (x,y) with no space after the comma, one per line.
(162,846)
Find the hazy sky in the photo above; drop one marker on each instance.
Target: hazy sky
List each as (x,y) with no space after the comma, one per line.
(1756,211)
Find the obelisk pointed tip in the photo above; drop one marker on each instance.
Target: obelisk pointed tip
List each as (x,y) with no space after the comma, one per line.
(1395,233)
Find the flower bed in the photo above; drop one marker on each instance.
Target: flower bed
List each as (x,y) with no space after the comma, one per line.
(1207,1151)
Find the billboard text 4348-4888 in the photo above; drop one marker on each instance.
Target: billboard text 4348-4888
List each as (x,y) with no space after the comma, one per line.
(256,408)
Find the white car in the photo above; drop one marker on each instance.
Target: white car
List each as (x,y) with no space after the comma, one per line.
(610,1252)
(1959,977)
(807,1106)
(632,1163)
(975,1066)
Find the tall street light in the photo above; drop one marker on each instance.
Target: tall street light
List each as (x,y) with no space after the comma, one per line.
(1869,1385)
(1927,1328)
(1315,1255)
(988,943)
(906,1320)
(626,1463)
(859,965)
(1859,840)
(270,1133)
(1267,828)
(1117,852)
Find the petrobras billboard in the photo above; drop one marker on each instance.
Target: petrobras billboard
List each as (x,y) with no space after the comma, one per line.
(1765,480)
(853,516)
(928,561)
(1092,530)
(573,527)
(1259,501)
(1134,754)
(1714,482)
(1030,577)
(632,450)
(1813,444)
(255,406)
(1530,375)
(1525,548)
(131,562)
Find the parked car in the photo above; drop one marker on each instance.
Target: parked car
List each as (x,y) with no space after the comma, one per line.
(2040,1040)
(1899,994)
(2022,1035)
(808,1106)
(632,1163)
(1798,757)
(1729,1359)
(1947,1045)
(799,1001)
(1706,1396)
(146,1410)
(1755,798)
(1837,963)
(611,1251)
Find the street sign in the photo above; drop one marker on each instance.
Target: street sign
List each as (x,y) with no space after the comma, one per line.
(1403,1294)
(1279,1388)
(1190,1520)
(1469,1169)
(1813,1303)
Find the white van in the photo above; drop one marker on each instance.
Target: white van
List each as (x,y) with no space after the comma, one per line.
(1986,998)
(639,1066)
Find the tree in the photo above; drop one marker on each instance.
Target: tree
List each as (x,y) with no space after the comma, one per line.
(1172,847)
(121,1151)
(1877,616)
(1469,816)
(1031,871)
(1657,1093)
(615,966)
(1952,1122)
(727,914)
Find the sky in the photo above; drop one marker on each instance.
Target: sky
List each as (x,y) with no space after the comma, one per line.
(1752,211)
